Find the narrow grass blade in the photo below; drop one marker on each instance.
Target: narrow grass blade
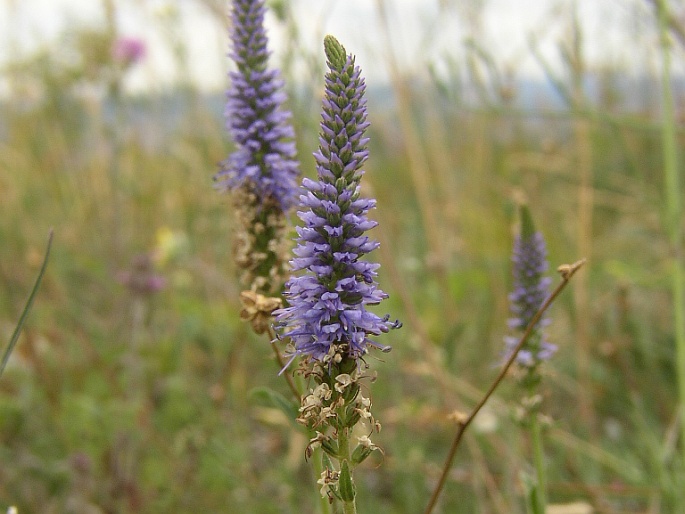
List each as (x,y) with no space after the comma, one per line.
(27,308)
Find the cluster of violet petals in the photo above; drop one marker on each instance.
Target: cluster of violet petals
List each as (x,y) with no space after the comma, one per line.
(530,291)
(265,158)
(327,303)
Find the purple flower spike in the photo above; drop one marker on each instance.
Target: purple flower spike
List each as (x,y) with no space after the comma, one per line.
(265,159)
(328,302)
(530,291)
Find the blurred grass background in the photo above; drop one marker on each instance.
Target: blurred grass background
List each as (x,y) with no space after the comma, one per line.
(119,399)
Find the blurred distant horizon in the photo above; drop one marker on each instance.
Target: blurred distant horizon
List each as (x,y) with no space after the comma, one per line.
(617,34)
(155,115)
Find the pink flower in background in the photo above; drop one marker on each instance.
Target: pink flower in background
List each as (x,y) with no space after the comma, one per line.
(129,50)
(141,278)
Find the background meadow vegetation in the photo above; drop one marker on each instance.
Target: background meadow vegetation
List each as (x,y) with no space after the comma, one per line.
(124,399)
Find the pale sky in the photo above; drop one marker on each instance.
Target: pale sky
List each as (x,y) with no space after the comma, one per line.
(619,32)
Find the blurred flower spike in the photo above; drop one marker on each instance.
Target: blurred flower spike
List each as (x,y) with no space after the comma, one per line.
(261,173)
(129,50)
(530,289)
(328,314)
(264,161)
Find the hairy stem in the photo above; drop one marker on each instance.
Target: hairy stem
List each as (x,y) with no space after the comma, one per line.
(539,460)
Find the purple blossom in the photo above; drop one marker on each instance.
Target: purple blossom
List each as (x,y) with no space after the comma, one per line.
(328,302)
(141,279)
(129,50)
(264,160)
(530,291)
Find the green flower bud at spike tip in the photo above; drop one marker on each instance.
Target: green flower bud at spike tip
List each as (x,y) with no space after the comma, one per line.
(527,225)
(335,52)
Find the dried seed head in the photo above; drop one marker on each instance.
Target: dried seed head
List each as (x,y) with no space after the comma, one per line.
(257,309)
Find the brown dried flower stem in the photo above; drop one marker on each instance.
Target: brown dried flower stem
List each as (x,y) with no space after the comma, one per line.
(566,271)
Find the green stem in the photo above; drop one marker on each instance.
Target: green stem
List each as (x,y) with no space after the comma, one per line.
(350,507)
(673,211)
(539,459)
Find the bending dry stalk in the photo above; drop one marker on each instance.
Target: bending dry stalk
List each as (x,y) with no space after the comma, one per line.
(567,271)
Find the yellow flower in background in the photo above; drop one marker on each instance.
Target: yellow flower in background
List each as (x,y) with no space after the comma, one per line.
(169,245)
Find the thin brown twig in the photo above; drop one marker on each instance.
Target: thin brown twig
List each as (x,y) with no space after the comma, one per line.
(281,364)
(567,271)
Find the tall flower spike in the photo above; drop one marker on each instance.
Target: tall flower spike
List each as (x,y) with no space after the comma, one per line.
(530,291)
(262,172)
(328,303)
(265,159)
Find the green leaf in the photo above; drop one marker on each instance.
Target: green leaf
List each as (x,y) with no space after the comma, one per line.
(27,308)
(326,462)
(331,448)
(345,485)
(270,398)
(360,453)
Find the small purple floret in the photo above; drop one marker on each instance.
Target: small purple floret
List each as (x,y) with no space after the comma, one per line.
(328,301)
(265,158)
